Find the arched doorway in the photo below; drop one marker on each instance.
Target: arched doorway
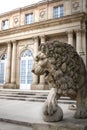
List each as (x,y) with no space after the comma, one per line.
(3,68)
(26,63)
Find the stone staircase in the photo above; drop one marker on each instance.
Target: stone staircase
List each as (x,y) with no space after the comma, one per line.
(30,95)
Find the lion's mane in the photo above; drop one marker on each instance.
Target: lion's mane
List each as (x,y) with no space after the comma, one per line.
(68,65)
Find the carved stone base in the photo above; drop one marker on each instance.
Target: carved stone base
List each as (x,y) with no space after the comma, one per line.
(9,86)
(55,117)
(39,87)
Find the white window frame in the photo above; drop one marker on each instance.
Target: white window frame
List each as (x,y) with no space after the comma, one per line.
(5,24)
(58,11)
(29,18)
(25,71)
(3,72)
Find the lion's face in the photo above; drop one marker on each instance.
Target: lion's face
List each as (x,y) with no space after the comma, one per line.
(40,63)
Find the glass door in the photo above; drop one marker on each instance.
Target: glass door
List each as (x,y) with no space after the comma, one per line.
(25,70)
(2,69)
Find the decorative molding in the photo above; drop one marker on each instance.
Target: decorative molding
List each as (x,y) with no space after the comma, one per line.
(16,20)
(24,45)
(78,31)
(14,41)
(75,6)
(43,14)
(3,50)
(69,32)
(44,24)
(43,38)
(24,48)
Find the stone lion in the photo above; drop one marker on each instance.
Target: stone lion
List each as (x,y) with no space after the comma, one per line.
(65,74)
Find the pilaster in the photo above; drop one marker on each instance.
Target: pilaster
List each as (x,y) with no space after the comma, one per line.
(13,64)
(36,44)
(70,37)
(42,78)
(84,46)
(79,48)
(81,44)
(8,66)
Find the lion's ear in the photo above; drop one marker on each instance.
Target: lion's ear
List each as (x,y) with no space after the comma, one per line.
(63,67)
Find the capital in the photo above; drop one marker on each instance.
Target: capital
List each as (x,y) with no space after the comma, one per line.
(43,38)
(69,32)
(9,42)
(78,31)
(14,41)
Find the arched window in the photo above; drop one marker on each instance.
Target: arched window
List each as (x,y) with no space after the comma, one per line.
(2,68)
(25,69)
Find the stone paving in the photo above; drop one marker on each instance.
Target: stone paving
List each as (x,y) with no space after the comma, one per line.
(25,115)
(10,126)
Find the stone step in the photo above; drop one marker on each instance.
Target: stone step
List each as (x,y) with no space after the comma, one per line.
(30,95)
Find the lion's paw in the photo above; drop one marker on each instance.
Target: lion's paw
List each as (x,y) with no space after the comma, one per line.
(81,113)
(52,115)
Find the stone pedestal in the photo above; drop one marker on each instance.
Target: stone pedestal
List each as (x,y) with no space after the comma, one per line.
(10,86)
(39,87)
(60,126)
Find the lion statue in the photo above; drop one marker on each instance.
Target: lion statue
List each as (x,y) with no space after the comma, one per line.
(65,74)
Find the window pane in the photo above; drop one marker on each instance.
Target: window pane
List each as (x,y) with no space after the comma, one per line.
(2,68)
(29,74)
(4,57)
(61,11)
(29,18)
(27,53)
(23,71)
(26,67)
(58,11)
(1,73)
(5,24)
(55,12)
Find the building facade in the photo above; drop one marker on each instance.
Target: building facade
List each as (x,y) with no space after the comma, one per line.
(23,30)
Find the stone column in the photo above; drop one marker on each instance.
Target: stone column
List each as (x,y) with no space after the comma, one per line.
(42,78)
(8,66)
(13,71)
(70,38)
(35,77)
(79,41)
(84,46)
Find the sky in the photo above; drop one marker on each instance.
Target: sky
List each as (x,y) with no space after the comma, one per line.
(8,5)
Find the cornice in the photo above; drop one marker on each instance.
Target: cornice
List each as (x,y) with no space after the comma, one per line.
(44,24)
(31,6)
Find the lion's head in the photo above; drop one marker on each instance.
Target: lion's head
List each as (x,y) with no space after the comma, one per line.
(40,63)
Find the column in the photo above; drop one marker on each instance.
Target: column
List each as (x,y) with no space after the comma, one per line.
(42,78)
(79,41)
(84,53)
(13,72)
(8,66)
(36,42)
(70,38)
